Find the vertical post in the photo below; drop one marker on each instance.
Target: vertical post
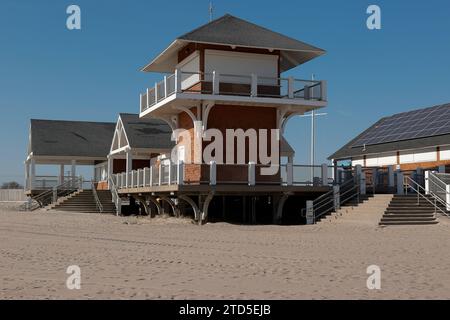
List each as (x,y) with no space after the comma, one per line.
(128,167)
(110,169)
(61,174)
(374,179)
(180,172)
(212,173)
(336,198)
(291,83)
(27,175)
(324,174)
(306,92)
(447,196)
(251,173)
(323,90)
(144,176)
(427,182)
(151,176)
(198,141)
(55,195)
(254,86)
(178,79)
(289,174)
(170,173)
(216,83)
(160,175)
(400,190)
(156,92)
(391,180)
(138,177)
(73,169)
(166,90)
(148,98)
(310,212)
(362,183)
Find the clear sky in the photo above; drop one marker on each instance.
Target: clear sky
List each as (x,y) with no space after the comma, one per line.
(49,72)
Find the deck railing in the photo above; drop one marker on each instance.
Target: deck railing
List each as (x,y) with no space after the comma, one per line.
(233,84)
(168,173)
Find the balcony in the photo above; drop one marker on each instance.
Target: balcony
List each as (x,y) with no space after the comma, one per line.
(250,89)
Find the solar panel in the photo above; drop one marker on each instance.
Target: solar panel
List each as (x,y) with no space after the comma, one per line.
(408,125)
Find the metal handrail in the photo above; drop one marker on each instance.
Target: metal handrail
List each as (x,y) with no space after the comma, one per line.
(115,195)
(435,195)
(98,203)
(419,194)
(51,195)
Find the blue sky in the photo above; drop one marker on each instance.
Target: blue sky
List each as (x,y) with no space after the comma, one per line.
(47,71)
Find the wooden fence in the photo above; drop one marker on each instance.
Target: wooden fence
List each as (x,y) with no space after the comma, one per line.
(7,195)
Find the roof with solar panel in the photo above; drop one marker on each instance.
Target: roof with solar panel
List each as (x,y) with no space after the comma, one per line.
(407,130)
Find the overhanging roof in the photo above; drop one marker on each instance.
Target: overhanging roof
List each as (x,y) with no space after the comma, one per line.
(146,133)
(232,31)
(76,139)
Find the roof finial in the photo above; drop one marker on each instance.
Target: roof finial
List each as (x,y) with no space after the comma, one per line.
(210,11)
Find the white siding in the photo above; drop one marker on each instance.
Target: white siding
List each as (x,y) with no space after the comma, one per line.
(358,161)
(388,159)
(244,64)
(445,153)
(420,155)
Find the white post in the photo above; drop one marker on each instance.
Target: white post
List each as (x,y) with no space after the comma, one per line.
(33,173)
(336,197)
(160,175)
(251,174)
(289,174)
(216,83)
(212,173)
(144,177)
(447,196)
(170,173)
(138,177)
(198,142)
(156,92)
(128,167)
(324,174)
(110,169)
(61,174)
(254,86)
(427,182)
(180,172)
(148,98)
(166,91)
(400,182)
(151,176)
(73,170)
(323,90)
(178,79)
(291,83)
(27,175)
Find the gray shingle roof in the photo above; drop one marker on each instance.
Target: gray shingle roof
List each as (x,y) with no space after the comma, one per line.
(146,133)
(347,151)
(71,138)
(232,31)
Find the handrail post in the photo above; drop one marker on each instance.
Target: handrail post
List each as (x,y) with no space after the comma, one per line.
(336,198)
(215,83)
(169,181)
(180,172)
(427,182)
(254,86)
(323,90)
(151,176)
(159,174)
(289,174)
(178,78)
(212,173)
(251,173)
(156,92)
(291,83)
(324,174)
(148,98)
(166,91)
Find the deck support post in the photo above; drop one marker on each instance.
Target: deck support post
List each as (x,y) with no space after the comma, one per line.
(251,173)
(157,205)
(324,174)
(195,208)
(204,205)
(280,205)
(172,204)
(336,197)
(289,174)
(128,168)
(400,186)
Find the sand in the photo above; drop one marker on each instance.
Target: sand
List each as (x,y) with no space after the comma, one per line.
(130,258)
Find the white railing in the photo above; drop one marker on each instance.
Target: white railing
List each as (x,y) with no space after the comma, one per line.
(113,186)
(438,185)
(233,84)
(169,173)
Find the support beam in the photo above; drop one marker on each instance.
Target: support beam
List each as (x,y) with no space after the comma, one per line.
(172,204)
(205,206)
(157,205)
(280,205)
(187,199)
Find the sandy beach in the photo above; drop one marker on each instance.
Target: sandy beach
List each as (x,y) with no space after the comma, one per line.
(139,258)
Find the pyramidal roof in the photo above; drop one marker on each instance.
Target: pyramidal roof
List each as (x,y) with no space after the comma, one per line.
(232,31)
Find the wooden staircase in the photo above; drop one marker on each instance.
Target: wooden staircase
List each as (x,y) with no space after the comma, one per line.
(404,210)
(84,201)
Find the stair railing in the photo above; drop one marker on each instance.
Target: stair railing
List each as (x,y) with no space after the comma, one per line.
(98,203)
(438,189)
(115,195)
(51,196)
(409,183)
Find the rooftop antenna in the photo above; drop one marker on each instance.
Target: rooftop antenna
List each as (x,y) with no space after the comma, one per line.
(210,11)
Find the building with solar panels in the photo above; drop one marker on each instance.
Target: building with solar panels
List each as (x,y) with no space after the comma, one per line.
(407,140)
